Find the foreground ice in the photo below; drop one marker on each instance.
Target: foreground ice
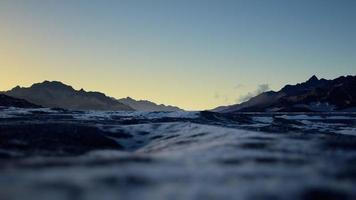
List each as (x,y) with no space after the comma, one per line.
(57,154)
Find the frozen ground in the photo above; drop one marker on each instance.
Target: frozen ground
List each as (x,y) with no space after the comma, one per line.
(57,154)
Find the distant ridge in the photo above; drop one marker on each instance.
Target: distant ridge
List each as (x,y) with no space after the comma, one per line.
(59,95)
(314,95)
(144,105)
(6,101)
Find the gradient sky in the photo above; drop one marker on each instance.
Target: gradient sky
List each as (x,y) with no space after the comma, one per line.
(189,53)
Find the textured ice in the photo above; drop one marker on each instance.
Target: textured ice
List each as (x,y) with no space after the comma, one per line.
(300,117)
(105,115)
(263,119)
(175,155)
(347,131)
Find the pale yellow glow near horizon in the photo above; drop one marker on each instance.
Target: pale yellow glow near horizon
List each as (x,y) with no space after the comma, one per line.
(187,97)
(169,54)
(28,59)
(169,87)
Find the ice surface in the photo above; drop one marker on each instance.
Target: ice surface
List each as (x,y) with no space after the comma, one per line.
(347,131)
(267,120)
(176,155)
(104,115)
(300,117)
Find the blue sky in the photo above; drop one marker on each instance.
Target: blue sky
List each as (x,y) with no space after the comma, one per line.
(191,54)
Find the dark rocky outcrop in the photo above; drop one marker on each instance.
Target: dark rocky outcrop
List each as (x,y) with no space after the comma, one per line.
(7,101)
(52,139)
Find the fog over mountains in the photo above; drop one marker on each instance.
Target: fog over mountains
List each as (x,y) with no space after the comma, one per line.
(55,94)
(313,95)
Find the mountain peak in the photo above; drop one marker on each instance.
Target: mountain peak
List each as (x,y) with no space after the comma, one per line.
(52,84)
(129,98)
(313,79)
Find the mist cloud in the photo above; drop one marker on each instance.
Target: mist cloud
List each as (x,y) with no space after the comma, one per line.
(260,89)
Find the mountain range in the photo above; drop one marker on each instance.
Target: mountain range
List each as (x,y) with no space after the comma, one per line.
(314,95)
(59,95)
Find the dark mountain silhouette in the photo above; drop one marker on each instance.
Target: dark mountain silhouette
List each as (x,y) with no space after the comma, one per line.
(313,95)
(59,95)
(6,101)
(56,94)
(144,105)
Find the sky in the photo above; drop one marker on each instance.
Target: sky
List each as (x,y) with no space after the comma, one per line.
(195,54)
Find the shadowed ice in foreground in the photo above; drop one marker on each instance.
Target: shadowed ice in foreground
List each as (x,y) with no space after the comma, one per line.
(58,154)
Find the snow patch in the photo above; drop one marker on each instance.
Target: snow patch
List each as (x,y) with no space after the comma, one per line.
(347,131)
(266,120)
(300,117)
